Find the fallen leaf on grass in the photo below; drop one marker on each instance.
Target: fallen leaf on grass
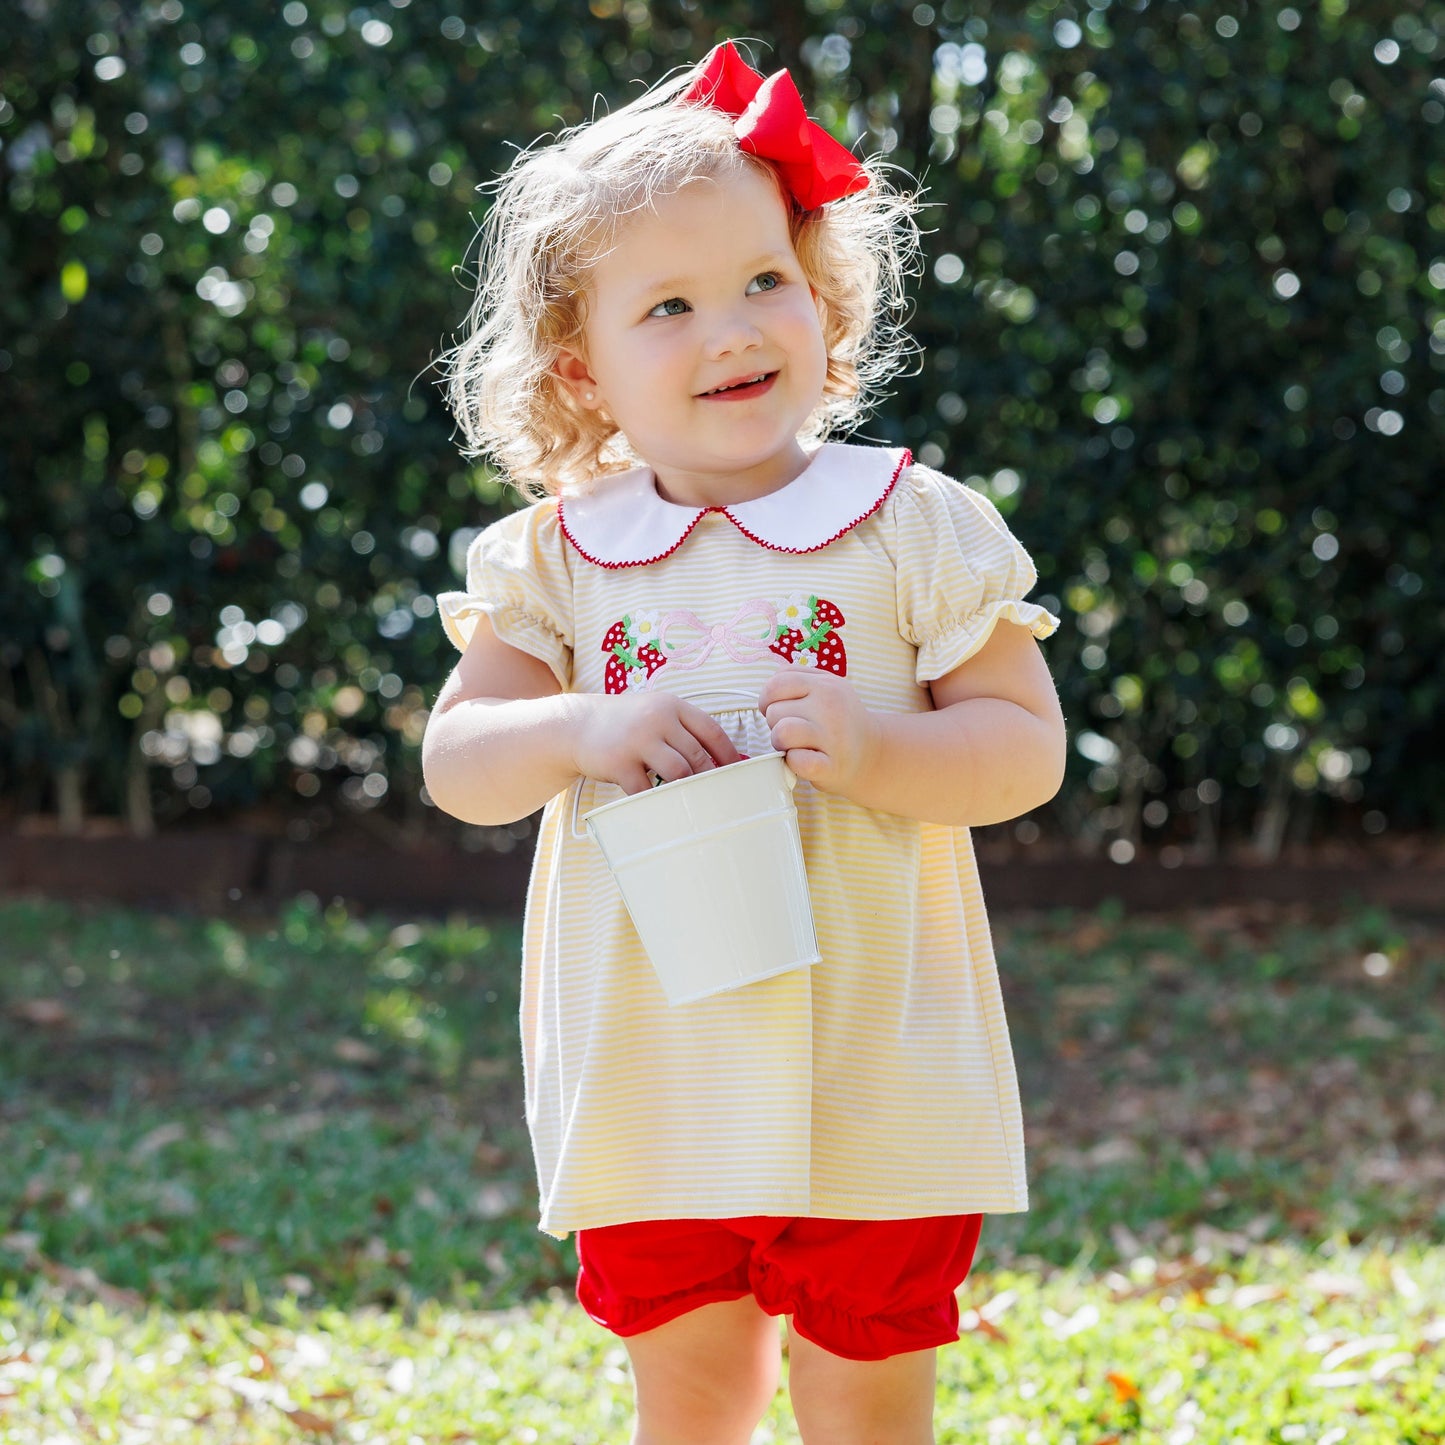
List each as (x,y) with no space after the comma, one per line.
(971,1322)
(494,1201)
(980,1319)
(1124,1388)
(39,1190)
(1380,1370)
(147,1231)
(1089,935)
(1118,1150)
(1248,1295)
(490,1068)
(354,1051)
(45,1013)
(289,1128)
(1164,1276)
(486,1157)
(229,1242)
(1335,1286)
(90,1283)
(157,1139)
(1067,1326)
(1353,1349)
(1250,1342)
(308,1421)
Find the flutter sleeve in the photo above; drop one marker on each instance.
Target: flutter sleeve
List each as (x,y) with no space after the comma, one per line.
(519,579)
(959,571)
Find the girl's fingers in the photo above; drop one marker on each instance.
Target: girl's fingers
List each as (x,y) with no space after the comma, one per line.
(697,756)
(709,732)
(793,732)
(807,764)
(785,684)
(634,780)
(777,712)
(669,764)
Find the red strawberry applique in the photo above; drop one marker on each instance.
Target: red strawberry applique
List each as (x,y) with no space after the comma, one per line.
(615,678)
(787,644)
(627,658)
(814,641)
(832,656)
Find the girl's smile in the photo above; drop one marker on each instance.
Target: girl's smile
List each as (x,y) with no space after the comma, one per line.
(703,341)
(741,389)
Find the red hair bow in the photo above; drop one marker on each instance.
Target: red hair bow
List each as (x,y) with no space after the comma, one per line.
(770,123)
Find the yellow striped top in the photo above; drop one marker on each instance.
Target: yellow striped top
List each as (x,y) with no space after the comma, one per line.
(879,1083)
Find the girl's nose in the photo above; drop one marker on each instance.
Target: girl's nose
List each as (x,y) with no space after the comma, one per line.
(732,332)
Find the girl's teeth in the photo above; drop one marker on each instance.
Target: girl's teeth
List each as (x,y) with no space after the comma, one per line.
(751,381)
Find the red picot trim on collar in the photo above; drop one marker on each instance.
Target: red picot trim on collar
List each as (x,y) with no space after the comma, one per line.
(904,461)
(841,532)
(642,562)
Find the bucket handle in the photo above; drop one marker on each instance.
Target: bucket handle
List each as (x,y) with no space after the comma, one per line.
(715,692)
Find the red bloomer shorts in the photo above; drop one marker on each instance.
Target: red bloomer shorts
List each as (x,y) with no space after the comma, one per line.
(864,1289)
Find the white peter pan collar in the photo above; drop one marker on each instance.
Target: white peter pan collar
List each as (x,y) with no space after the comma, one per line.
(623,522)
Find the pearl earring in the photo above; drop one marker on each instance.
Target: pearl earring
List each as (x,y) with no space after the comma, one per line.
(590,395)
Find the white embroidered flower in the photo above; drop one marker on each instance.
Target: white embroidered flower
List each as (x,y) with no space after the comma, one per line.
(636,677)
(645,627)
(794,611)
(805,657)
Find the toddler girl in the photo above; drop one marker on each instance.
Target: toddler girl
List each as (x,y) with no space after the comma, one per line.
(678,303)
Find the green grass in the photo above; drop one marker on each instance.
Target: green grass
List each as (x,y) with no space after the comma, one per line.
(1271,1347)
(266,1179)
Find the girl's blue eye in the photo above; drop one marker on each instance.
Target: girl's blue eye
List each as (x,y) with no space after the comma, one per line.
(673,306)
(768,281)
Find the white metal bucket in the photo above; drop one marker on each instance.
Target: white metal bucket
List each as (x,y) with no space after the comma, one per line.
(711,870)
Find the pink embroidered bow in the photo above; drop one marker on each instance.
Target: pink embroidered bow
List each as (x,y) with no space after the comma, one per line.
(745,638)
(770,122)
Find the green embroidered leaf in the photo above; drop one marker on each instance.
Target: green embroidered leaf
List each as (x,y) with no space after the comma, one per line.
(630,658)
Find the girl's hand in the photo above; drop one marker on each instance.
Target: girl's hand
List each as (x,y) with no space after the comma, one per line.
(820,723)
(624,738)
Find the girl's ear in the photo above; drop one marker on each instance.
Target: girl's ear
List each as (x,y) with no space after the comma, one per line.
(571,369)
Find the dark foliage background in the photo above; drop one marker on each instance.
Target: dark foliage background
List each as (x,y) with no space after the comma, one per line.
(1183,320)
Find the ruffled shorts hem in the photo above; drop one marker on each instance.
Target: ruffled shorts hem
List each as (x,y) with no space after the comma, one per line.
(607,1279)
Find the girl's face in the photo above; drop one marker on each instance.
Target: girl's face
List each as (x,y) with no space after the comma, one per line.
(703,342)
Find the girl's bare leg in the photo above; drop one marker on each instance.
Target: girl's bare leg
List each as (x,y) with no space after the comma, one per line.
(707,1377)
(861,1402)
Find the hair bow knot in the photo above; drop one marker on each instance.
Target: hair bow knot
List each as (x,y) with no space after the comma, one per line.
(770,122)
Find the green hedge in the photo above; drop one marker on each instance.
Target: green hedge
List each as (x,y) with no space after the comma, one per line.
(1183,319)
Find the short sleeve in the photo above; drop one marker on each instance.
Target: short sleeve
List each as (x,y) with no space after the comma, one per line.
(519,579)
(959,569)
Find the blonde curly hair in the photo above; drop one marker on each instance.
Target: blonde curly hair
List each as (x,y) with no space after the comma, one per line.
(561,205)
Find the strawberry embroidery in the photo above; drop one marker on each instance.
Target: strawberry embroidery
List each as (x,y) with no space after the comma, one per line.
(634,655)
(807,634)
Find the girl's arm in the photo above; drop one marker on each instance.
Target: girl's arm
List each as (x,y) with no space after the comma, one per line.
(992,749)
(503,737)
